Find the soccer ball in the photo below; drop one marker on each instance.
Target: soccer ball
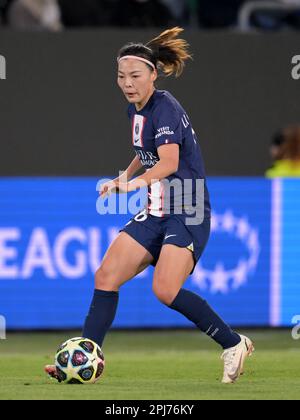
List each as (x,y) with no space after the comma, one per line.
(79,361)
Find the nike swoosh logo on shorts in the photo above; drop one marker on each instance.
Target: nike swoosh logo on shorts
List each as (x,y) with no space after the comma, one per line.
(169,236)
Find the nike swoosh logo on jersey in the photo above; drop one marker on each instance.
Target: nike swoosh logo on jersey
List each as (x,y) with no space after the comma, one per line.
(169,236)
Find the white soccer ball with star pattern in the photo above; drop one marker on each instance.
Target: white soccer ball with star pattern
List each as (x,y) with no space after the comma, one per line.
(79,361)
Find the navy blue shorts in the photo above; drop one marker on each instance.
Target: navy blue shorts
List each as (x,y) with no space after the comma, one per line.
(153,232)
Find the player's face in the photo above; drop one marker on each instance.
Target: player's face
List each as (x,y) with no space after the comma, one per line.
(136,80)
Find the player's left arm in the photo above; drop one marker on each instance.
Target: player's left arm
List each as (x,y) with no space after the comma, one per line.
(166,166)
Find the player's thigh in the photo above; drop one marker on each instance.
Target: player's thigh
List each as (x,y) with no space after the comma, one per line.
(172,269)
(123,260)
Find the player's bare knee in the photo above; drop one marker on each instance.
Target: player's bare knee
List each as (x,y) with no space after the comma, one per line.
(164,294)
(103,279)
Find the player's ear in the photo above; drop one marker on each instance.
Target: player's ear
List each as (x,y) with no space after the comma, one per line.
(154,76)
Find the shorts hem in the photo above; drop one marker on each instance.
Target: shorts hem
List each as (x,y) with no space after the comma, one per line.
(140,243)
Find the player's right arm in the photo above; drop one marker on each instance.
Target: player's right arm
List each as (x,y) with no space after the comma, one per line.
(133,168)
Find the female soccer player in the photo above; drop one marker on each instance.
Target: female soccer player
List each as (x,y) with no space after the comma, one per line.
(163,234)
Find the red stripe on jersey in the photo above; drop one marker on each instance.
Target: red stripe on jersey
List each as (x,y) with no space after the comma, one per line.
(142,131)
(132,131)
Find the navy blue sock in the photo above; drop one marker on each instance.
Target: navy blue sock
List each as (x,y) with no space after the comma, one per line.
(101,315)
(200,313)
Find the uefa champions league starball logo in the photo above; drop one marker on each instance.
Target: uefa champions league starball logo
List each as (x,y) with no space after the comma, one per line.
(220,279)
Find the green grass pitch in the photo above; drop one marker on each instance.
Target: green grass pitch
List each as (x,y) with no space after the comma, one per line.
(175,365)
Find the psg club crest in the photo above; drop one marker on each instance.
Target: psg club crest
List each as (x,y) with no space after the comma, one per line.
(137,129)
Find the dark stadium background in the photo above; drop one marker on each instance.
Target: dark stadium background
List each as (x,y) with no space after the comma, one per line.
(61,100)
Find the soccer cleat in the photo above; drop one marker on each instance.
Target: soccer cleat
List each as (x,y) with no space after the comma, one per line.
(234,359)
(52,372)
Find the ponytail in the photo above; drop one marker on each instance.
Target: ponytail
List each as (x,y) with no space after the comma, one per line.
(170,52)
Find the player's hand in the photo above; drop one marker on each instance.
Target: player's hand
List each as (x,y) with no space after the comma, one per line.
(122,187)
(107,188)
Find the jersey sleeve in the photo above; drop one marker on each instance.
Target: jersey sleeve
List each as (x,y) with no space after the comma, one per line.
(167,124)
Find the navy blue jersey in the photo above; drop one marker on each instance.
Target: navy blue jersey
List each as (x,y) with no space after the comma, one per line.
(164,121)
